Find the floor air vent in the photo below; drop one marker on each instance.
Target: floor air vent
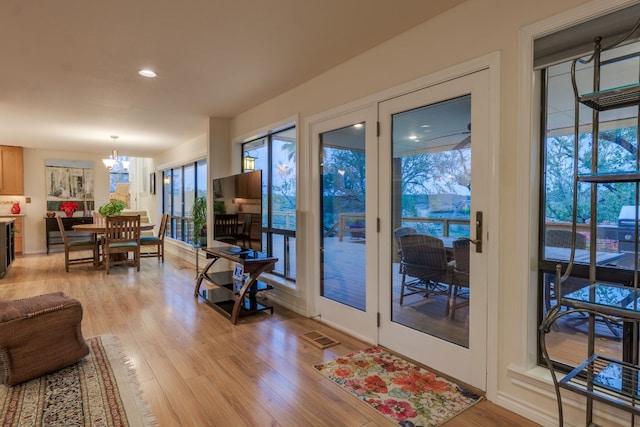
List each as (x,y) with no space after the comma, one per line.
(319,339)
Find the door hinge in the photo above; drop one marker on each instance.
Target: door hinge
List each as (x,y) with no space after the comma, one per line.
(377,128)
(378,224)
(378,319)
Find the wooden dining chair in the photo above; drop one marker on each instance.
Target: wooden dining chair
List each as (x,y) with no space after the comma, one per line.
(155,241)
(245,234)
(121,236)
(225,228)
(77,246)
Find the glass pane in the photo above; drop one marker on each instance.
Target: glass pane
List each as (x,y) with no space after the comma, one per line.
(616,214)
(258,151)
(283,187)
(567,340)
(167,201)
(201,178)
(189,188)
(342,170)
(431,201)
(176,191)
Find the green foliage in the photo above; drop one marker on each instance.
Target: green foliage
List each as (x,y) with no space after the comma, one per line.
(114,207)
(199,214)
(616,151)
(219,207)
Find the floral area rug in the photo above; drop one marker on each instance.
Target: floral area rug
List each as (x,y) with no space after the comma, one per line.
(100,390)
(405,393)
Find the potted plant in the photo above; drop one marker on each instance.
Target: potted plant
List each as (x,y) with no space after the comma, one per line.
(199,215)
(114,207)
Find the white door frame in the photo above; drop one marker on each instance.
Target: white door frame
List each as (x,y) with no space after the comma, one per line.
(362,324)
(467,364)
(491,62)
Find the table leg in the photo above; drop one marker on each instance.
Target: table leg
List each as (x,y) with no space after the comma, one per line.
(253,277)
(201,276)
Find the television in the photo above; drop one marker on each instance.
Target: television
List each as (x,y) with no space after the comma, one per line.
(237,211)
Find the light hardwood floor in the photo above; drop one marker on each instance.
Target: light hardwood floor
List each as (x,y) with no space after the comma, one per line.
(194,367)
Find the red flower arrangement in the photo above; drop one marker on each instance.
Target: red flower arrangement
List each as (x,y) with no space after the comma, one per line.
(69,208)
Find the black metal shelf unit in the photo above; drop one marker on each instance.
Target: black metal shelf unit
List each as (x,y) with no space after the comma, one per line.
(599,378)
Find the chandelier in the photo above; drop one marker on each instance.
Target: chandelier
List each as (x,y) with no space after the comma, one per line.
(113,157)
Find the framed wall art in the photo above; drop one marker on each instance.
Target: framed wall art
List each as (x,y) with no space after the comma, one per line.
(69,181)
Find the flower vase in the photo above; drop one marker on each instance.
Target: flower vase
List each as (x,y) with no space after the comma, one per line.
(69,213)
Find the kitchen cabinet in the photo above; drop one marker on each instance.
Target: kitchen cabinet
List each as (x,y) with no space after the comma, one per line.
(11,171)
(7,249)
(248,186)
(17,232)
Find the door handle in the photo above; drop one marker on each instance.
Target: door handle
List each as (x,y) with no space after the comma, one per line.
(478,240)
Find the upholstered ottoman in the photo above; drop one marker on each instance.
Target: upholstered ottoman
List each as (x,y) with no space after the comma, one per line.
(39,335)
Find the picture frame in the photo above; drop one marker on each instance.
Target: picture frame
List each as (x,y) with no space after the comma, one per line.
(152,183)
(238,272)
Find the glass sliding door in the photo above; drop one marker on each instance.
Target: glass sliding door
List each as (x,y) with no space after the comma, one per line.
(343,203)
(345,159)
(434,165)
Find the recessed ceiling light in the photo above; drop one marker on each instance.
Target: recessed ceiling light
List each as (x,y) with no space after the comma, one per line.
(145,72)
(413,137)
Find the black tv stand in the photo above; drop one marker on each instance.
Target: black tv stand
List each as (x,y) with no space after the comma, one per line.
(235,298)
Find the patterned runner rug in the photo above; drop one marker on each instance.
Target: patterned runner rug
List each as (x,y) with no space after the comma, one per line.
(405,393)
(100,390)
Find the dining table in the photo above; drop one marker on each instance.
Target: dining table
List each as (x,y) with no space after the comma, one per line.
(581,256)
(97,229)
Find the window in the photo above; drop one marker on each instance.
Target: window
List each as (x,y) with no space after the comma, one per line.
(618,142)
(180,187)
(119,174)
(275,154)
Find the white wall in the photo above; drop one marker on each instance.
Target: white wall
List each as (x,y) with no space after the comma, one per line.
(471,30)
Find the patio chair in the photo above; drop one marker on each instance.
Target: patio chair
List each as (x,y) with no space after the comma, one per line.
(401,232)
(424,266)
(562,239)
(459,296)
(76,246)
(121,236)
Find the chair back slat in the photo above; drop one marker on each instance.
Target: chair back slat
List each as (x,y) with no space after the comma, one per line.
(122,228)
(63,232)
(163,226)
(98,218)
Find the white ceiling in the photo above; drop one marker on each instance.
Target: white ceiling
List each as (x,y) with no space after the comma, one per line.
(69,81)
